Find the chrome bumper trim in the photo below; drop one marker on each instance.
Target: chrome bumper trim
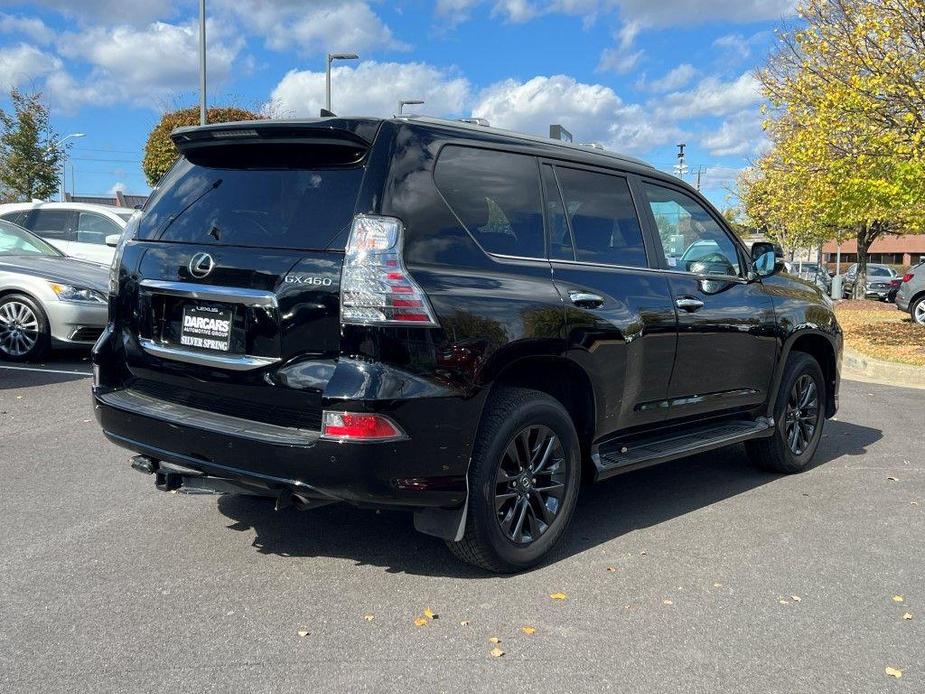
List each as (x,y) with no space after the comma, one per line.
(237,362)
(207,292)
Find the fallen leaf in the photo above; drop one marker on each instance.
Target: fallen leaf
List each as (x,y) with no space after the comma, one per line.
(304,632)
(666,601)
(429,613)
(796,598)
(494,639)
(420,621)
(643,553)
(907,616)
(914,503)
(464,623)
(558,596)
(369,617)
(496,652)
(894,672)
(897,598)
(717,585)
(611,569)
(528,630)
(783,602)
(892,479)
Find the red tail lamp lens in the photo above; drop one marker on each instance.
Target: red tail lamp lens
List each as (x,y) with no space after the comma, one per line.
(359,426)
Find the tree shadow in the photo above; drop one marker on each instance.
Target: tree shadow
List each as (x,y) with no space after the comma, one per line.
(605,511)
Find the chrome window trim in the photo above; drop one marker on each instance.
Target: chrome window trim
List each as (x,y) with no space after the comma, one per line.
(209,292)
(237,362)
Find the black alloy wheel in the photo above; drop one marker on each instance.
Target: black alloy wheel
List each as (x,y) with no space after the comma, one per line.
(802,414)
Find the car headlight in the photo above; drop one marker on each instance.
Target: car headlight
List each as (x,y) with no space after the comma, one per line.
(66,292)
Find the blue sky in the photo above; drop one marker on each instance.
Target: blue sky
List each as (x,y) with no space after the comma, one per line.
(637,76)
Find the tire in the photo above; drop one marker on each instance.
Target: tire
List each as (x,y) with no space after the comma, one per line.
(917,310)
(518,425)
(777,452)
(24,331)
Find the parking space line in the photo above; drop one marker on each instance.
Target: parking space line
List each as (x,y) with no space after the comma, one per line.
(46,371)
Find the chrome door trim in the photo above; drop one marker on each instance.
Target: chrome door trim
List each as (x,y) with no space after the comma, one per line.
(237,362)
(209,292)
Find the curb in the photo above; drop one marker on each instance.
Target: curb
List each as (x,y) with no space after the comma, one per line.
(859,367)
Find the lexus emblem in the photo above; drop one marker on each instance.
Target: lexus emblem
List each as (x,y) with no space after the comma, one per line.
(200,265)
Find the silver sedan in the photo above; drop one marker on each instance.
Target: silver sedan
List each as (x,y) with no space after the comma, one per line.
(46,298)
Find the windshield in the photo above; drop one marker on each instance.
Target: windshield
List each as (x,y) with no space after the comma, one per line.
(264,196)
(14,240)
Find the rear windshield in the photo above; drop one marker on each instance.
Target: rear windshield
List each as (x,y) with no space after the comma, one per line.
(267,196)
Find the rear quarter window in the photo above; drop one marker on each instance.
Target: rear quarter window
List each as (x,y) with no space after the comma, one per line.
(496,196)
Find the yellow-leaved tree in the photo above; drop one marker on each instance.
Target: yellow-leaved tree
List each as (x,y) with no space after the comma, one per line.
(160,152)
(846,119)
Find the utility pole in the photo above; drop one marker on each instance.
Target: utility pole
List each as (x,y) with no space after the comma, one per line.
(203,119)
(64,161)
(699,174)
(327,75)
(680,168)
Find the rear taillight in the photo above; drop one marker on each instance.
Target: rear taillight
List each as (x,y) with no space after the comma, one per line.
(359,426)
(131,228)
(908,277)
(376,289)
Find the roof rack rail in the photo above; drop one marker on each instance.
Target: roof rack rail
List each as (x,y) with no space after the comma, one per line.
(475,121)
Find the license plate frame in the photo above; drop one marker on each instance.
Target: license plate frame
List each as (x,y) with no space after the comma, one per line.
(206,327)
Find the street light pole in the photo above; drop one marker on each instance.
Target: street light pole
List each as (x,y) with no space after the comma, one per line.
(202,63)
(327,75)
(408,102)
(63,159)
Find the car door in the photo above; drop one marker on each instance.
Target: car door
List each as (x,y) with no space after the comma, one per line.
(90,239)
(619,313)
(727,344)
(55,226)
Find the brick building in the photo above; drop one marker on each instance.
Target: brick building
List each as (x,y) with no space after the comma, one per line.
(890,250)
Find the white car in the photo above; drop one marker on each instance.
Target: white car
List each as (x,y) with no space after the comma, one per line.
(80,230)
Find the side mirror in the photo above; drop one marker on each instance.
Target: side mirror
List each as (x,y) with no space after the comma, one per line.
(113,240)
(766,264)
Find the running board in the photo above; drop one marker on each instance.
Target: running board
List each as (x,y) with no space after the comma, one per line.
(614,456)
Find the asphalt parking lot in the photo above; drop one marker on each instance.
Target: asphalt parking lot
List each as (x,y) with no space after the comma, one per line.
(702,575)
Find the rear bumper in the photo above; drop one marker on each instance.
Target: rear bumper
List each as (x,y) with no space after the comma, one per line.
(413,473)
(902,301)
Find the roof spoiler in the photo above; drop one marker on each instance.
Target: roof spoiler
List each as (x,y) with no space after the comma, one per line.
(333,131)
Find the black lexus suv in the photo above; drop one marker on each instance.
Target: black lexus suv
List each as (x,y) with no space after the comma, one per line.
(449,318)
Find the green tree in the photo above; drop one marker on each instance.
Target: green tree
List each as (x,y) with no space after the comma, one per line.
(847,126)
(30,155)
(160,152)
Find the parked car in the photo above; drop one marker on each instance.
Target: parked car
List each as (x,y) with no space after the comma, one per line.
(46,299)
(80,230)
(911,294)
(878,281)
(456,320)
(814,272)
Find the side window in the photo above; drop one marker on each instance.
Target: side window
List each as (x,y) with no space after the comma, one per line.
(560,238)
(693,241)
(51,224)
(603,218)
(94,228)
(496,196)
(14,217)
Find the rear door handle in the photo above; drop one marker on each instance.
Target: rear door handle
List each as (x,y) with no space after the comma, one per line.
(586,300)
(689,303)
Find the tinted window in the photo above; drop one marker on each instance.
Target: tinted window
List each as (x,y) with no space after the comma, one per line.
(496,196)
(692,240)
(94,228)
(266,196)
(600,211)
(878,272)
(15,217)
(51,224)
(560,238)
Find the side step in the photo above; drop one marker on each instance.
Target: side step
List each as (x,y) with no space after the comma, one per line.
(615,456)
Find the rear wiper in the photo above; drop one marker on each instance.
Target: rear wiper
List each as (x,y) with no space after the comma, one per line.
(170,220)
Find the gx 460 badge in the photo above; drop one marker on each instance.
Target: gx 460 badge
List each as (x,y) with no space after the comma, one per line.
(308,279)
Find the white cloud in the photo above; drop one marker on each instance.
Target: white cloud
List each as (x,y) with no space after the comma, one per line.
(592,112)
(24,64)
(110,12)
(664,13)
(372,89)
(712,97)
(30,27)
(145,65)
(118,186)
(671,81)
(315,27)
(735,44)
(622,58)
(738,135)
